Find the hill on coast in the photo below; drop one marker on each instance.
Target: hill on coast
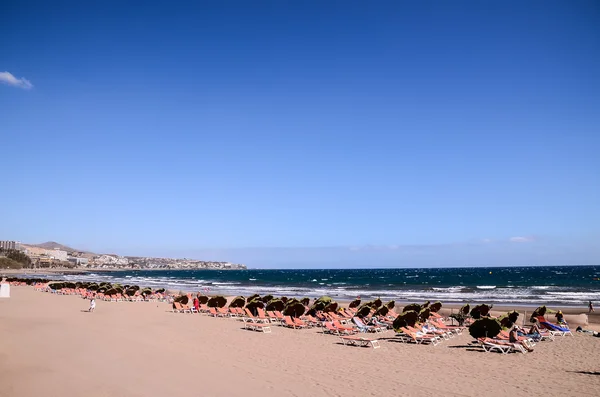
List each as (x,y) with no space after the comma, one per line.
(50,245)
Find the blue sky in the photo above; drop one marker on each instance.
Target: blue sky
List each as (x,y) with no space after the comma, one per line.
(240,129)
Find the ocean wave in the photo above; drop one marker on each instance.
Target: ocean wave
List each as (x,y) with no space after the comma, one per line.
(486,286)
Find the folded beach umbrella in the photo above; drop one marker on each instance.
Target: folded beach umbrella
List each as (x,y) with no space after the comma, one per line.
(305,301)
(147,291)
(480,311)
(252,297)
(203,299)
(295,309)
(183,299)
(435,307)
(217,301)
(364,311)
(267,298)
(485,327)
(254,304)
(424,314)
(391,304)
(56,286)
(415,307)
(377,303)
(238,301)
(382,311)
(112,291)
(406,319)
(465,309)
(275,305)
(539,312)
(354,303)
(425,305)
(509,319)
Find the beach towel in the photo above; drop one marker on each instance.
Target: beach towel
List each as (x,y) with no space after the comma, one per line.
(555,327)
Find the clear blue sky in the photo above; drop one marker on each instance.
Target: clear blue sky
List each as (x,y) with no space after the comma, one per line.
(170,129)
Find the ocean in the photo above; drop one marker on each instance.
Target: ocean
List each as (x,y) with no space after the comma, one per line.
(555,285)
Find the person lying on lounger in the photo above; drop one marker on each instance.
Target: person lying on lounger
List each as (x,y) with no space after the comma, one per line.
(513,337)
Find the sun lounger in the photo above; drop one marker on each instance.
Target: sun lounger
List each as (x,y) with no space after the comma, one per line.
(362,327)
(214,313)
(358,341)
(502,346)
(554,328)
(253,318)
(291,323)
(262,315)
(224,312)
(254,326)
(419,338)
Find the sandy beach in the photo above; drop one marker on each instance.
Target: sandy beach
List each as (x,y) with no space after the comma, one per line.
(50,345)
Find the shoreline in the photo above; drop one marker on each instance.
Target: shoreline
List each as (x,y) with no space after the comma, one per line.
(261,290)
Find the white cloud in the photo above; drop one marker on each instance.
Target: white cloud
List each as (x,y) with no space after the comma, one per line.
(520,239)
(9,79)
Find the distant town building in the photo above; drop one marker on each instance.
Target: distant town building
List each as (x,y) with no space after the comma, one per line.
(10,245)
(78,261)
(57,254)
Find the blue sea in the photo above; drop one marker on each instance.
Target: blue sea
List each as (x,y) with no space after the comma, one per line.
(568,285)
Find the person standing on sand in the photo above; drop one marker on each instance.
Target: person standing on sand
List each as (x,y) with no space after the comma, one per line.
(92,304)
(591,307)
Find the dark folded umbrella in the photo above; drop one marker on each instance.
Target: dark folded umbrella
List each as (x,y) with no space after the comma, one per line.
(296,309)
(465,309)
(203,299)
(391,304)
(275,305)
(183,299)
(382,311)
(364,311)
(424,314)
(238,301)
(406,319)
(217,301)
(539,312)
(414,307)
(305,301)
(146,291)
(267,298)
(425,305)
(254,304)
(354,303)
(435,307)
(485,327)
(252,297)
(480,311)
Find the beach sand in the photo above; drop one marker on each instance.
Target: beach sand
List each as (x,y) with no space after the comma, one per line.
(50,346)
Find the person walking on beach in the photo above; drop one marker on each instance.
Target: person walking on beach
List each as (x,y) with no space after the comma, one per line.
(92,304)
(591,307)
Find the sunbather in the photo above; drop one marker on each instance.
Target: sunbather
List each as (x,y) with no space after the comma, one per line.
(514,338)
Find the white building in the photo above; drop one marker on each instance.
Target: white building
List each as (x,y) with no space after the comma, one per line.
(10,245)
(57,254)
